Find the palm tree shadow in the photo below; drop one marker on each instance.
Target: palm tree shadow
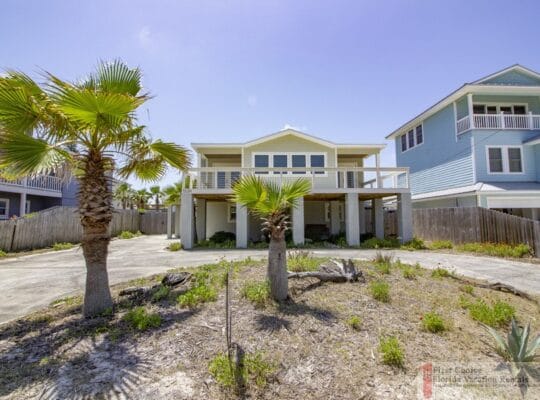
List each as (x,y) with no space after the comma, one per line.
(271,323)
(290,307)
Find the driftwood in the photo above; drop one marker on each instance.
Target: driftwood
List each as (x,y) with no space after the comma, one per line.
(334,271)
(169,280)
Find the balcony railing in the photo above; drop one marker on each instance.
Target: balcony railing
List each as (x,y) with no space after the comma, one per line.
(498,121)
(223,178)
(40,182)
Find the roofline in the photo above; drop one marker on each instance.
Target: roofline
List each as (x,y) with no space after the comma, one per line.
(523,69)
(284,132)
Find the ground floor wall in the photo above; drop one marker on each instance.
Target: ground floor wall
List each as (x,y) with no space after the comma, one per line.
(33,203)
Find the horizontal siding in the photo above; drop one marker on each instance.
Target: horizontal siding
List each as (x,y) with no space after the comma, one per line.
(452,174)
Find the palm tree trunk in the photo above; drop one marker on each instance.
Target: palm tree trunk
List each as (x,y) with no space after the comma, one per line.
(95,208)
(277,267)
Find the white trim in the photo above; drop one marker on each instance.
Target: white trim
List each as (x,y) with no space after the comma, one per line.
(515,67)
(473,158)
(406,134)
(289,155)
(6,215)
(505,160)
(293,132)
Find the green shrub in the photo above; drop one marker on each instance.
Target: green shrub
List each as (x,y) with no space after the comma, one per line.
(256,292)
(467,289)
(409,272)
(3,253)
(497,315)
(440,273)
(255,370)
(497,249)
(31,215)
(380,290)
(62,246)
(391,351)
(175,246)
(433,322)
(222,237)
(227,244)
(355,322)
(141,320)
(376,243)
(414,244)
(161,294)
(302,260)
(197,295)
(129,235)
(441,244)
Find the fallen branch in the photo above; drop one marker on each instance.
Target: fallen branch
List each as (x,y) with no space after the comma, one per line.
(335,271)
(169,280)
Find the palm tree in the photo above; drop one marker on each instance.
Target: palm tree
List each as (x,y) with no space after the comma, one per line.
(173,193)
(123,193)
(272,203)
(141,198)
(156,194)
(41,124)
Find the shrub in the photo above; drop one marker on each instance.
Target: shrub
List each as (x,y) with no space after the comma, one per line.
(227,244)
(376,243)
(254,369)
(301,260)
(497,249)
(256,292)
(141,320)
(3,253)
(497,315)
(467,289)
(355,322)
(441,244)
(199,294)
(380,290)
(433,322)
(62,246)
(161,294)
(409,272)
(175,246)
(222,237)
(440,273)
(414,244)
(391,351)
(129,235)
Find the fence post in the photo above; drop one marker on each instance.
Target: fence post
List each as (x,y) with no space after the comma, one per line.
(536,236)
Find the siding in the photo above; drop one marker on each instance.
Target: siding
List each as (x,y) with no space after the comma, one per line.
(469,201)
(513,78)
(537,159)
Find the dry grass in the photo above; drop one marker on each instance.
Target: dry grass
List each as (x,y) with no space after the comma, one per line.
(316,353)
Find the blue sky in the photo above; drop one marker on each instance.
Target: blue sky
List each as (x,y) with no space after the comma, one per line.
(348,71)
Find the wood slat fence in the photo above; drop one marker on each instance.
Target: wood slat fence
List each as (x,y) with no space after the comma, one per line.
(62,224)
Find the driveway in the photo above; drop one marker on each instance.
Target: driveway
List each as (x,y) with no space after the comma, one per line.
(31,282)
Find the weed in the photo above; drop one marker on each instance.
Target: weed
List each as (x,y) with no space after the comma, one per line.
(414,244)
(497,249)
(355,322)
(175,246)
(376,243)
(439,273)
(68,301)
(409,273)
(380,290)
(256,292)
(441,244)
(469,289)
(497,315)
(141,320)
(199,294)
(302,260)
(3,253)
(433,322)
(129,235)
(63,246)
(161,294)
(254,369)
(392,353)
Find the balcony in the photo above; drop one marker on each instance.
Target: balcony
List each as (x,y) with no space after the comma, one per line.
(38,183)
(323,180)
(498,121)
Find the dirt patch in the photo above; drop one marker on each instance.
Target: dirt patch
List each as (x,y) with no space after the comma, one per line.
(55,354)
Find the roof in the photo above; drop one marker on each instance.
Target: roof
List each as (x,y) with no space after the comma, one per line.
(286,132)
(533,140)
(481,188)
(478,86)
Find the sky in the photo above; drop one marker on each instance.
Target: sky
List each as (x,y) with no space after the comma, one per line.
(232,70)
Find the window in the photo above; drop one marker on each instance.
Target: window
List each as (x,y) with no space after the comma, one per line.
(279,161)
(221,180)
(316,161)
(261,161)
(4,208)
(519,109)
(235,175)
(290,160)
(231,212)
(504,160)
(412,138)
(298,160)
(479,108)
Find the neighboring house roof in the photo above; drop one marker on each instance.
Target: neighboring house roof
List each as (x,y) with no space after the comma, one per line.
(482,188)
(483,85)
(533,140)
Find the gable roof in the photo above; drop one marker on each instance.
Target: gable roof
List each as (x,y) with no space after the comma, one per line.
(481,85)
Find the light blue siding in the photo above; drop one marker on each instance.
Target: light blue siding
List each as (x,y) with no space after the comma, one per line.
(513,78)
(536,149)
(441,162)
(483,138)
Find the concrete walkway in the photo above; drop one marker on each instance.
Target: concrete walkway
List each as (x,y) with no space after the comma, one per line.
(28,283)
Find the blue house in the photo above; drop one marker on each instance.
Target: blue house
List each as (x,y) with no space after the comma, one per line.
(479,146)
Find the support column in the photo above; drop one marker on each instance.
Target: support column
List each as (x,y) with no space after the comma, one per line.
(200,219)
(178,220)
(335,224)
(362,217)
(470,109)
(352,219)
(378,218)
(241,226)
(186,220)
(298,222)
(404,217)
(22,210)
(169,222)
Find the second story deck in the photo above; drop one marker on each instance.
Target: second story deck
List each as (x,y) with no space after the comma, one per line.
(46,185)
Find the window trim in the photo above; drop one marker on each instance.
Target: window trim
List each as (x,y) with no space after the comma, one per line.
(289,155)
(498,105)
(414,136)
(6,215)
(230,206)
(505,159)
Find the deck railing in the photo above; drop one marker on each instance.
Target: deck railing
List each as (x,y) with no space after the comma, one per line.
(40,182)
(498,121)
(223,178)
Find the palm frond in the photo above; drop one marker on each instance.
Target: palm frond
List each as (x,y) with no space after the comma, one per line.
(19,98)
(175,155)
(117,77)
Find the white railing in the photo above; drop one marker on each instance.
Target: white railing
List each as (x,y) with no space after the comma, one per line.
(498,121)
(41,182)
(223,178)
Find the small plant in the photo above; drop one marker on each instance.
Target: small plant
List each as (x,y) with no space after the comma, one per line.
(62,246)
(222,237)
(201,293)
(383,263)
(409,272)
(355,322)
(441,244)
(376,243)
(497,315)
(161,294)
(253,369)
(414,244)
(3,253)
(141,320)
(302,260)
(176,246)
(440,273)
(516,348)
(433,322)
(129,235)
(497,249)
(391,351)
(469,289)
(380,290)
(256,292)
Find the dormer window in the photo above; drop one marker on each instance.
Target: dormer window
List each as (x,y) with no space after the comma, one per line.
(412,138)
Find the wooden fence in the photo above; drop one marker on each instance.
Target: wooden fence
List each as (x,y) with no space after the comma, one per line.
(62,224)
(470,224)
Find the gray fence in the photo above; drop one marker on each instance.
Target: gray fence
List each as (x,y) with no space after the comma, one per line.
(62,224)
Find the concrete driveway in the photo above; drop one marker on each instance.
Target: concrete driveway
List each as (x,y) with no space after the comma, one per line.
(28,283)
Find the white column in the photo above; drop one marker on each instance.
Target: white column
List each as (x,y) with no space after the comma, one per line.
(335,223)
(352,226)
(362,217)
(535,214)
(378,166)
(200,219)
(404,217)
(298,222)
(178,220)
(186,220)
(22,210)
(470,108)
(378,218)
(241,226)
(169,222)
